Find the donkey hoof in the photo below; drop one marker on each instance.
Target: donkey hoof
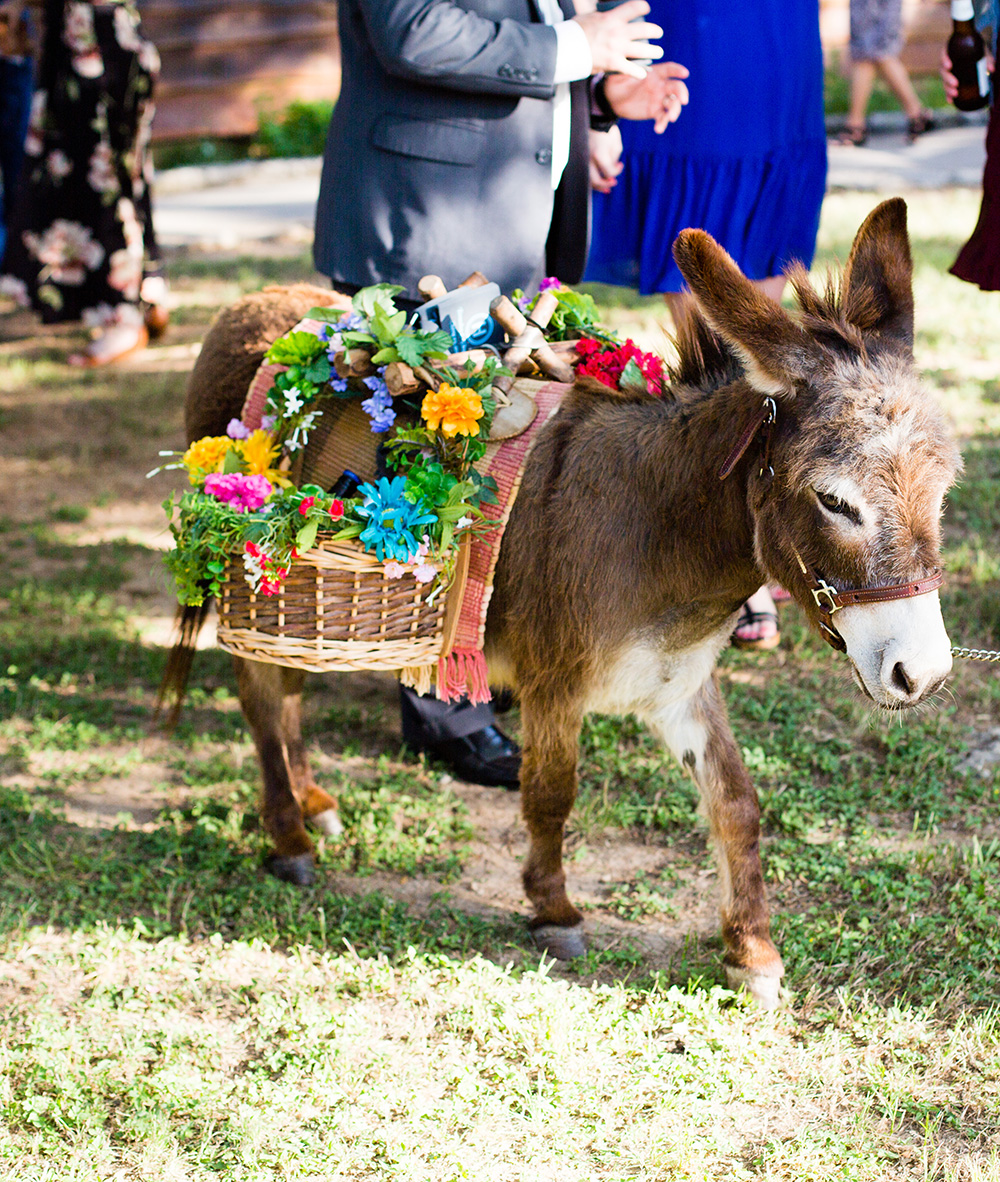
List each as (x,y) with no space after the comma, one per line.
(765,990)
(294,868)
(564,943)
(328,822)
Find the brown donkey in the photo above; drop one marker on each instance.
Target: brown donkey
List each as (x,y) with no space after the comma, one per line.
(627,557)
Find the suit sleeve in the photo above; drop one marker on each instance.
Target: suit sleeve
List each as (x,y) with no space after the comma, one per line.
(439,43)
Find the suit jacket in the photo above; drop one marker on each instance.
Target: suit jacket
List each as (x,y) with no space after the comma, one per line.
(438,158)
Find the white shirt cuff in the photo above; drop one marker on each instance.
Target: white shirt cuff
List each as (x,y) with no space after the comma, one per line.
(573,57)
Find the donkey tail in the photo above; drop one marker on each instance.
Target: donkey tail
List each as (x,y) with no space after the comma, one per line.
(173,687)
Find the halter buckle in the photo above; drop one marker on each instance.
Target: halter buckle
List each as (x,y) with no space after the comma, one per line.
(826,597)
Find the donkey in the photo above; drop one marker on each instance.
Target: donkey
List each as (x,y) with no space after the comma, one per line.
(627,557)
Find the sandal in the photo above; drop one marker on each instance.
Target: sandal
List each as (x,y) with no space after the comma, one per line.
(779,594)
(923,122)
(750,619)
(853,136)
(116,342)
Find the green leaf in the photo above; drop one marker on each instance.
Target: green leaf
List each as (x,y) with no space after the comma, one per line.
(329,315)
(318,371)
(351,530)
(233,462)
(306,535)
(385,356)
(294,348)
(378,295)
(633,378)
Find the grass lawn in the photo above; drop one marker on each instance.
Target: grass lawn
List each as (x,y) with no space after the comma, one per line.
(167,1011)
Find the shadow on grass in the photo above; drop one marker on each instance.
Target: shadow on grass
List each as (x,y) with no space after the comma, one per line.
(198,873)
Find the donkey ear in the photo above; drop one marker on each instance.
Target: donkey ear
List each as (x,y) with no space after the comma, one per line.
(878,278)
(776,353)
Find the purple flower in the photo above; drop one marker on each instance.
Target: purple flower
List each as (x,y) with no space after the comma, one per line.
(237,430)
(379,406)
(268,421)
(550,282)
(336,383)
(350,323)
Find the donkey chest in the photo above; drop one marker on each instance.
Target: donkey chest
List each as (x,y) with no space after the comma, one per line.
(647,674)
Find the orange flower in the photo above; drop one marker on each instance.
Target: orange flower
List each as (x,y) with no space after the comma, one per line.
(455,409)
(205,456)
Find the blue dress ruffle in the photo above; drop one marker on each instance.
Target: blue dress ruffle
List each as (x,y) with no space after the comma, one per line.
(746,161)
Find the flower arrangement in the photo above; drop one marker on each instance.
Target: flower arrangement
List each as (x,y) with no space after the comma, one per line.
(243,503)
(575,314)
(620,365)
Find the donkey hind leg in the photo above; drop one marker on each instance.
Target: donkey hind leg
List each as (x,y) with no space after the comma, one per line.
(318,807)
(551,733)
(697,732)
(262,691)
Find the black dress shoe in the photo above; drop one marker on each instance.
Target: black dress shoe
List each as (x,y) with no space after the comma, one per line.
(486,756)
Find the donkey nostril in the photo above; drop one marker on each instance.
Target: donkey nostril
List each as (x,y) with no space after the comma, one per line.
(900,679)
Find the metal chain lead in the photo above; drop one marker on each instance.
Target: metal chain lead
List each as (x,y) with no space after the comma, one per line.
(975,654)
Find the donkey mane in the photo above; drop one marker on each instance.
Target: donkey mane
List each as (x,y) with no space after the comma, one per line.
(704,360)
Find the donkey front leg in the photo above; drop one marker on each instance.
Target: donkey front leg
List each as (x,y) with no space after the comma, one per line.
(551,732)
(262,691)
(697,732)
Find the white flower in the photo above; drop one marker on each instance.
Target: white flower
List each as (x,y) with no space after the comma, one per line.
(101,170)
(425,572)
(78,28)
(126,29)
(17,289)
(293,400)
(67,250)
(393,570)
(463,523)
(125,273)
(59,165)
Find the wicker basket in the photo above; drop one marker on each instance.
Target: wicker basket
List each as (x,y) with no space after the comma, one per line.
(337,612)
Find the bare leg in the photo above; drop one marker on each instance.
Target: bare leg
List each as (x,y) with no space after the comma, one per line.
(697,732)
(862,81)
(261,695)
(548,788)
(894,72)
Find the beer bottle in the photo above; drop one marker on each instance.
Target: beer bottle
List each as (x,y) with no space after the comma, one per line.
(968,58)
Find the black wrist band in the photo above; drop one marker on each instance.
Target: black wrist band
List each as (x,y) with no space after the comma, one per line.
(604,118)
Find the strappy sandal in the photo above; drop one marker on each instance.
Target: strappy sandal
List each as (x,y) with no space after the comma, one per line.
(853,136)
(923,122)
(751,619)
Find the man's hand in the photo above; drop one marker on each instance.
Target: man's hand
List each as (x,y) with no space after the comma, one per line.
(605,165)
(949,79)
(615,42)
(659,96)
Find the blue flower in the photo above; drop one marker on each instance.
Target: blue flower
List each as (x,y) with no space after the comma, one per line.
(379,406)
(392,519)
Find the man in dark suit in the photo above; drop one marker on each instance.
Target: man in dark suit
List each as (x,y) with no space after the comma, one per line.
(460,142)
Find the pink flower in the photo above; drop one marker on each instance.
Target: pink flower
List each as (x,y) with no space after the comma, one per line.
(242,493)
(425,572)
(235,429)
(393,569)
(549,283)
(306,504)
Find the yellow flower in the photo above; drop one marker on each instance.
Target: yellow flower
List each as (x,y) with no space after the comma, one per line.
(206,455)
(456,409)
(259,452)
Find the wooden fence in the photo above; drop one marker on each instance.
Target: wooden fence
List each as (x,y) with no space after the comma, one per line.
(226,60)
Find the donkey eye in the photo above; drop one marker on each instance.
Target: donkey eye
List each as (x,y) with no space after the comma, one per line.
(834,504)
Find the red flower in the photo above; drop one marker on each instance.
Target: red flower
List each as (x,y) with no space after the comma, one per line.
(337,510)
(252,550)
(306,504)
(607,363)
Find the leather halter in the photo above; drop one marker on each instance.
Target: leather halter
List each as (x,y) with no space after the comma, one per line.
(826,597)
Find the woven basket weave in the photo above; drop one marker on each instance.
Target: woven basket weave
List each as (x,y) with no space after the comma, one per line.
(337,612)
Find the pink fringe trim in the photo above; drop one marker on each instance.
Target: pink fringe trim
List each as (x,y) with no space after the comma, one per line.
(463,671)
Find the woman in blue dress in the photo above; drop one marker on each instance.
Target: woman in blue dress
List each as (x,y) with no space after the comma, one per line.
(746,163)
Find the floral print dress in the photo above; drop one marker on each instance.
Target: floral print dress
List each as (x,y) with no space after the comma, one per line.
(81,235)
